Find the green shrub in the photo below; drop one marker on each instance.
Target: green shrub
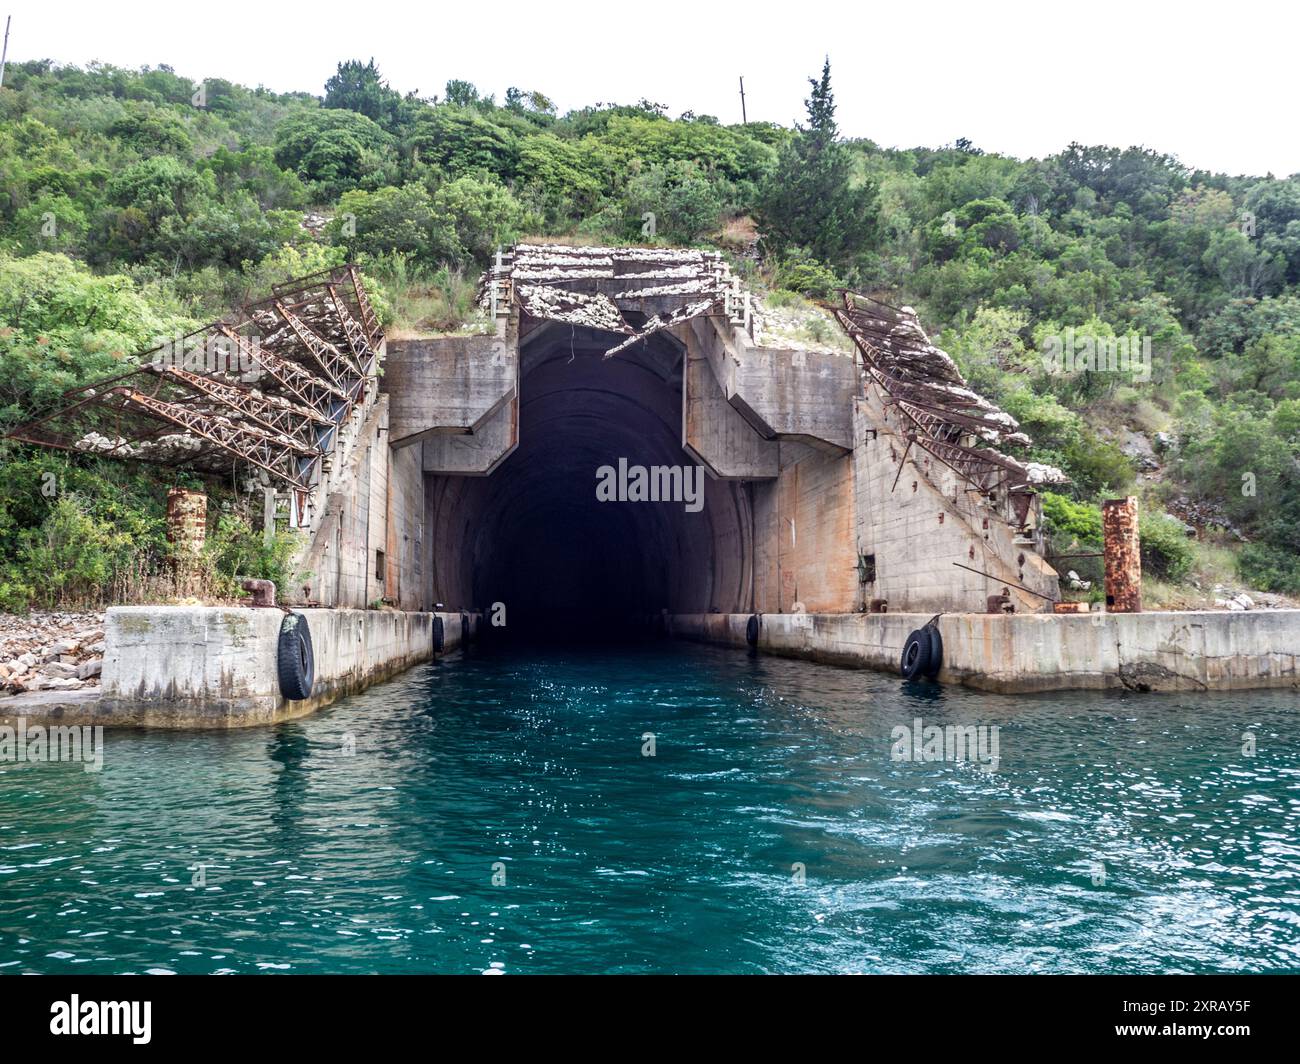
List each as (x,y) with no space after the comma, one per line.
(1098,467)
(685,203)
(72,558)
(800,272)
(1269,568)
(1069,520)
(15,595)
(1166,551)
(237,552)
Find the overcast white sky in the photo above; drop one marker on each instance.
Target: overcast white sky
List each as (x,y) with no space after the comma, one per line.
(1215,86)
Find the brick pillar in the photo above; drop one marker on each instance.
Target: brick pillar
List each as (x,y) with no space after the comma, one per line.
(1123,557)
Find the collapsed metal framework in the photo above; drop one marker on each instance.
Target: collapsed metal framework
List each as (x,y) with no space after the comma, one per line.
(939,412)
(266,389)
(633,291)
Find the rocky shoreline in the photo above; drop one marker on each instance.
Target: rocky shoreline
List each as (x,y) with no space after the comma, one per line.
(50,651)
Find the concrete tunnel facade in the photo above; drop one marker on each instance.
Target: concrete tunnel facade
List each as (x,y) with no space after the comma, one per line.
(472,480)
(533,535)
(847,497)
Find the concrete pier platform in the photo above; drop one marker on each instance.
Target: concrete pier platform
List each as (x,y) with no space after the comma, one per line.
(215,667)
(1157,651)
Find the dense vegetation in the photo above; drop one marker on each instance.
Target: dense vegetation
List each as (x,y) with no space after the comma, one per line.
(136,203)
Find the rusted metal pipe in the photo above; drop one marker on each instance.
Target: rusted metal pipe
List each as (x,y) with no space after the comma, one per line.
(1123,556)
(187,516)
(1019,587)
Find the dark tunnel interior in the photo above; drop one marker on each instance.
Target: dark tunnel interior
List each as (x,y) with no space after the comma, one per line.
(534,537)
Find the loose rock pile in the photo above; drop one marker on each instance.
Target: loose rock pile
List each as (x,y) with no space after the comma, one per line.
(50,652)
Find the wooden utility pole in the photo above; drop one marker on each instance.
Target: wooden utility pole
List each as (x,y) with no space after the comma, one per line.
(743,117)
(4,55)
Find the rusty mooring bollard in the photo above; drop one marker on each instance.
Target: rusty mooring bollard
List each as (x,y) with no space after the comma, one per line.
(1122,554)
(263,592)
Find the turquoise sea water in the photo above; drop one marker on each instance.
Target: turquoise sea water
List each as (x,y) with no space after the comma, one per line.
(499,813)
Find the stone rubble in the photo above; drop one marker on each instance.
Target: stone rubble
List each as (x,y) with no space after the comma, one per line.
(50,651)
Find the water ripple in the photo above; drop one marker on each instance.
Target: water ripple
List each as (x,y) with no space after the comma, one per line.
(498,814)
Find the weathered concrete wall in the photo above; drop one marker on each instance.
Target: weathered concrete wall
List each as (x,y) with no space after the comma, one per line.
(369,543)
(922,524)
(450,384)
(477,453)
(1195,651)
(800,396)
(714,432)
(405,557)
(803,534)
(215,667)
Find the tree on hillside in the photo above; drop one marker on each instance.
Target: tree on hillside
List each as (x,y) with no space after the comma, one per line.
(462,93)
(359,87)
(335,150)
(811,200)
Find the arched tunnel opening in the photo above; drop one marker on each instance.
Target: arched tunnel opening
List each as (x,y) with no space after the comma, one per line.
(533,542)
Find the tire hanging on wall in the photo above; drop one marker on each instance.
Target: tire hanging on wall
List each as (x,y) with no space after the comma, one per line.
(916,654)
(464,628)
(295,659)
(751,630)
(936,651)
(437,635)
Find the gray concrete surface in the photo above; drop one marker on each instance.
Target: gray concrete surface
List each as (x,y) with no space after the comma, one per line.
(1158,651)
(215,667)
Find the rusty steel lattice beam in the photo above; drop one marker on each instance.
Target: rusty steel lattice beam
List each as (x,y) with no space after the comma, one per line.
(276,454)
(290,371)
(980,469)
(939,411)
(312,391)
(340,370)
(356,335)
(368,319)
(281,416)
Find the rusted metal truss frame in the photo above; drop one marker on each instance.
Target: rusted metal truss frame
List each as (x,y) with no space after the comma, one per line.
(301,423)
(273,453)
(958,422)
(238,400)
(358,343)
(368,318)
(345,371)
(931,425)
(29,432)
(286,435)
(977,467)
(326,283)
(341,371)
(312,391)
(241,441)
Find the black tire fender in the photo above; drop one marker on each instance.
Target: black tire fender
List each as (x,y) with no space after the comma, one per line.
(751,630)
(916,654)
(935,663)
(438,635)
(295,659)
